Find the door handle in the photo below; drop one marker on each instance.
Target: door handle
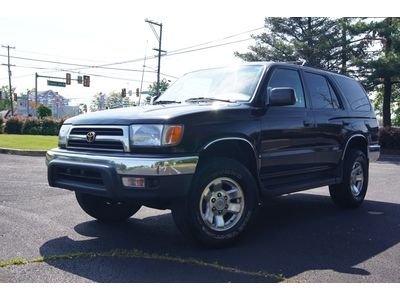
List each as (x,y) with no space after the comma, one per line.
(345,123)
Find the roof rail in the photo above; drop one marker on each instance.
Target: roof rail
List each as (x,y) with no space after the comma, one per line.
(300,62)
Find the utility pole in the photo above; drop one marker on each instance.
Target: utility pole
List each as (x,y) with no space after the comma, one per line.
(159,38)
(9,77)
(144,66)
(36,99)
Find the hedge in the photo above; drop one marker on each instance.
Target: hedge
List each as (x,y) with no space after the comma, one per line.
(1,124)
(32,125)
(389,138)
(14,125)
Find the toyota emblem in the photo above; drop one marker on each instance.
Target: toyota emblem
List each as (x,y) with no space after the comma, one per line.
(91,136)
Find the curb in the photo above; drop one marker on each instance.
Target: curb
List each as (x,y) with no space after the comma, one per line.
(23,152)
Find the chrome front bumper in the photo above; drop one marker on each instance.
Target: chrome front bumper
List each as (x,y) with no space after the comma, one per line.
(126,164)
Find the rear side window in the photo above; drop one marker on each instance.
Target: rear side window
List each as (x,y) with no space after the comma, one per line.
(291,79)
(354,93)
(321,92)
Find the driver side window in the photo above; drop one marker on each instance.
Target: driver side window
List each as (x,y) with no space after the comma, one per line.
(288,78)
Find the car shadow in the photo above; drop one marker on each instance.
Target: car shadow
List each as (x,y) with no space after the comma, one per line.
(293,234)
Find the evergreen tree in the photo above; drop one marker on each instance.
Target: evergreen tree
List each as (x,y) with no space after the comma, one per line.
(332,44)
(383,69)
(293,39)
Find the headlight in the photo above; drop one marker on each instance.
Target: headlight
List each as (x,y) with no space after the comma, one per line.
(155,135)
(62,135)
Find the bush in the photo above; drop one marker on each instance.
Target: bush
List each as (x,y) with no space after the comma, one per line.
(50,126)
(32,126)
(1,124)
(14,125)
(43,111)
(389,137)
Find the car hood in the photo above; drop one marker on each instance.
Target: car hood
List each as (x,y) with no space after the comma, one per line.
(147,114)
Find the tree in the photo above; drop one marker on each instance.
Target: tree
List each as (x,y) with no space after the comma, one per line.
(102,101)
(383,69)
(354,37)
(5,101)
(394,104)
(326,43)
(43,111)
(293,39)
(164,84)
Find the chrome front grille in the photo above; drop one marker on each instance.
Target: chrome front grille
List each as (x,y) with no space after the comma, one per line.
(99,131)
(108,138)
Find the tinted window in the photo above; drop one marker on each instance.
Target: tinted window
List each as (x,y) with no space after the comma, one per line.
(321,92)
(291,79)
(354,93)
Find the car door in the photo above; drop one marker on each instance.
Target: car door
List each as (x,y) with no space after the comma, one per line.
(330,118)
(287,135)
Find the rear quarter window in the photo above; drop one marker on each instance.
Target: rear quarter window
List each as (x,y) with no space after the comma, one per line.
(354,93)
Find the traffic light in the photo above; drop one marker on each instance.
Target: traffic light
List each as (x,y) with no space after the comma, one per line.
(137,92)
(68,78)
(15,97)
(79,79)
(1,95)
(86,80)
(123,93)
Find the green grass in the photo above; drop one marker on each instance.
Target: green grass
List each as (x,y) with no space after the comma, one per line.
(27,142)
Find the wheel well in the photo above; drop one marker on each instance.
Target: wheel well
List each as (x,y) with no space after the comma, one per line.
(358,142)
(237,150)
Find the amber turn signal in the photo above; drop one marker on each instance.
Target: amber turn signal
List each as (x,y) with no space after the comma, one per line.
(172,134)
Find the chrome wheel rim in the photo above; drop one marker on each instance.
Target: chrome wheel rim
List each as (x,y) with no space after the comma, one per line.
(356,179)
(222,204)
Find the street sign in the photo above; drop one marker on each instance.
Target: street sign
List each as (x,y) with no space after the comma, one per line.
(56,83)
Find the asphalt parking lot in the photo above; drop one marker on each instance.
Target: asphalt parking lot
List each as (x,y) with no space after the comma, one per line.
(302,237)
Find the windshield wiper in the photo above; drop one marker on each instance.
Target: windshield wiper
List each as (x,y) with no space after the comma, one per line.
(204,99)
(166,102)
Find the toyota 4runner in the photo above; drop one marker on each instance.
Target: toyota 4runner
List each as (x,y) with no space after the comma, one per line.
(217,144)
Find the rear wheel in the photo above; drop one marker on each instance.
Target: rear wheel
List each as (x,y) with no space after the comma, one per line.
(351,191)
(105,209)
(222,202)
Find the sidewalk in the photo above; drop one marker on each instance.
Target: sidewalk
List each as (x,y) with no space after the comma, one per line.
(23,152)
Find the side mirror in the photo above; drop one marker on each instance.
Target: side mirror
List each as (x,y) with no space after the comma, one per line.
(282,96)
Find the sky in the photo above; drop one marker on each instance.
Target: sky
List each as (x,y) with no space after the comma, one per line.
(93,33)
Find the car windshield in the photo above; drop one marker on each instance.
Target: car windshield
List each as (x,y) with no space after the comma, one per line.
(231,84)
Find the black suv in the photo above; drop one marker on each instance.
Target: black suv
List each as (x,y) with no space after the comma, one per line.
(217,144)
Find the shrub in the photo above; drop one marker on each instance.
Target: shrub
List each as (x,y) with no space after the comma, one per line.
(389,137)
(43,111)
(50,126)
(1,124)
(14,125)
(32,126)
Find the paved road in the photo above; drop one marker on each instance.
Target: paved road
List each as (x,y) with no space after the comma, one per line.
(300,237)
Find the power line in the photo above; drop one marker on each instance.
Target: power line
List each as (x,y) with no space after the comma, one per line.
(83,66)
(59,56)
(189,47)
(217,40)
(209,47)
(107,65)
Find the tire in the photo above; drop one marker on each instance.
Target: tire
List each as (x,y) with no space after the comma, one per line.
(222,203)
(350,193)
(104,209)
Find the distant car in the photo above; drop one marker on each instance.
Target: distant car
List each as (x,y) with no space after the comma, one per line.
(220,142)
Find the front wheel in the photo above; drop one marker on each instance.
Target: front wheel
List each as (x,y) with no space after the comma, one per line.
(350,193)
(105,209)
(222,202)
